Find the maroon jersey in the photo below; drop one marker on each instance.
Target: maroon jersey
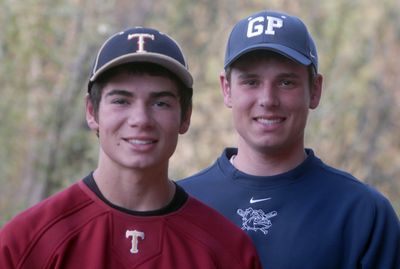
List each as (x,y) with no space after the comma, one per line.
(77,229)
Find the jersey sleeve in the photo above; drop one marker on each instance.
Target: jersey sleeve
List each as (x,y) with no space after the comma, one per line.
(5,258)
(8,250)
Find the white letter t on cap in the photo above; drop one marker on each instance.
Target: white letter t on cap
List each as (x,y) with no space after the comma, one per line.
(141,40)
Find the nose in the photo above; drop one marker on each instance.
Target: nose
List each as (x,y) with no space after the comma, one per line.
(140,116)
(268,96)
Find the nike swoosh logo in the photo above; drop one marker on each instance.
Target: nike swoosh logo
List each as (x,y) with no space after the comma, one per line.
(252,201)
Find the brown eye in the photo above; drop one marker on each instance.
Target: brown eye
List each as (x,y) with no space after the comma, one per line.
(119,101)
(286,83)
(251,82)
(161,104)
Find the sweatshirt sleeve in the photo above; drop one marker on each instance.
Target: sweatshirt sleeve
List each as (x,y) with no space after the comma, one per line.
(383,249)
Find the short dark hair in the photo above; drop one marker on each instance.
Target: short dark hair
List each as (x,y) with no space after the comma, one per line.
(185,94)
(257,54)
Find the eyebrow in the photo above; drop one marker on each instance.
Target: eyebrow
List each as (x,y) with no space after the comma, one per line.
(163,94)
(288,75)
(119,92)
(247,75)
(280,75)
(156,94)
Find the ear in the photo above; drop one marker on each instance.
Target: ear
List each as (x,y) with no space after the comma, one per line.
(226,89)
(316,91)
(185,121)
(91,117)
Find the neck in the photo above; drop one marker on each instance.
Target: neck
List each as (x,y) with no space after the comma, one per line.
(133,190)
(268,163)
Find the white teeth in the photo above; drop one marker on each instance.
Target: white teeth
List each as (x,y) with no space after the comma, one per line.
(140,142)
(268,121)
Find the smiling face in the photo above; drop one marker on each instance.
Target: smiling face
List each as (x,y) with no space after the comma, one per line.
(138,121)
(270,96)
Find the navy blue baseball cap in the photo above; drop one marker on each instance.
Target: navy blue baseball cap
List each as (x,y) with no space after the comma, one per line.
(141,44)
(274,31)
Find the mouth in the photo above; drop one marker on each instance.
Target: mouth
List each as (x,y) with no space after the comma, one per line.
(269,121)
(140,141)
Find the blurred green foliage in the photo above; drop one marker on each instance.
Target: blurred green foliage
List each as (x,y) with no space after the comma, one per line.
(47,49)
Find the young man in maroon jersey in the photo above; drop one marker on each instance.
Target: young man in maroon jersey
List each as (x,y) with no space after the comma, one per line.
(127,213)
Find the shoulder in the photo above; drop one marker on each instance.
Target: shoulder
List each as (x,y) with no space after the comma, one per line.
(347,187)
(48,209)
(195,210)
(210,173)
(28,227)
(370,218)
(204,225)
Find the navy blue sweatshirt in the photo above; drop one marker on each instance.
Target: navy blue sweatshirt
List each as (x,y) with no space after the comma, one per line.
(313,217)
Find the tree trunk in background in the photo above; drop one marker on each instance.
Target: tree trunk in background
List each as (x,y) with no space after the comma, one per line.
(47,48)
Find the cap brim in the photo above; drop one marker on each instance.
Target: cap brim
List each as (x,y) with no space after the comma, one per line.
(167,62)
(285,51)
